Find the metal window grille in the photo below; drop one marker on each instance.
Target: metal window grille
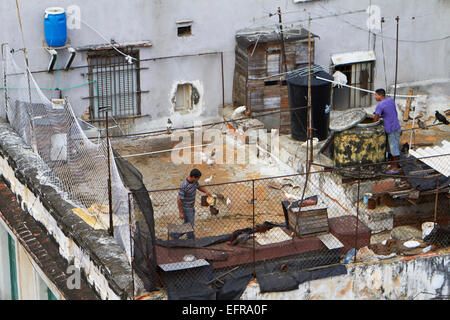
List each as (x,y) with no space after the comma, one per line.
(358,75)
(114,82)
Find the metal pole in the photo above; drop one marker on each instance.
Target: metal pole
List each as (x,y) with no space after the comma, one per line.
(223,82)
(357,212)
(5,83)
(310,135)
(131,243)
(253,217)
(111,223)
(436,200)
(282,41)
(396,59)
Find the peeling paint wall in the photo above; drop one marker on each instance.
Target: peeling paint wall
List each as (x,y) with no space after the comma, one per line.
(420,278)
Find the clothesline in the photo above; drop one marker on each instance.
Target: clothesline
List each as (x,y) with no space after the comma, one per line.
(369,91)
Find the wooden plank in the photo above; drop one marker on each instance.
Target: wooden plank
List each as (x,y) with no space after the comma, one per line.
(330,241)
(421,171)
(408,106)
(311,231)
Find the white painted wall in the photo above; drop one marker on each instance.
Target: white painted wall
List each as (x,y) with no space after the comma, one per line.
(215,23)
(420,278)
(5,282)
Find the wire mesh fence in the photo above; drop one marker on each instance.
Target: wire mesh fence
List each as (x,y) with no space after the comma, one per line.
(281,226)
(267,228)
(71,163)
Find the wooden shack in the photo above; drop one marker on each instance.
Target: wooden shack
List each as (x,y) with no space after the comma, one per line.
(257,81)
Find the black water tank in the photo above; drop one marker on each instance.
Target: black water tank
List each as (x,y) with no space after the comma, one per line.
(320,100)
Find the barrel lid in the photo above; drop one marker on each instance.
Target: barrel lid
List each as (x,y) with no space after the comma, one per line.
(54,10)
(347,120)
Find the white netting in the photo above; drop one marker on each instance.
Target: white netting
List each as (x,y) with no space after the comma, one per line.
(73,164)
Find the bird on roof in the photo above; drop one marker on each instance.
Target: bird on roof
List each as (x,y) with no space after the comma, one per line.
(204,157)
(169,126)
(241,239)
(421,124)
(210,161)
(239,111)
(405,148)
(440,117)
(289,196)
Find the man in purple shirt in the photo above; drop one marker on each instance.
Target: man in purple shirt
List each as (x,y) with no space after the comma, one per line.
(388,111)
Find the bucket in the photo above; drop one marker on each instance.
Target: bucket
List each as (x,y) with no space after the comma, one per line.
(372,203)
(55,28)
(366,197)
(204,203)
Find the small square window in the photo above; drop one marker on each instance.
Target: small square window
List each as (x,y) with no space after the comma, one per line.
(184,31)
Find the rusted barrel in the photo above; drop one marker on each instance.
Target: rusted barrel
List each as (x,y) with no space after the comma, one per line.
(364,143)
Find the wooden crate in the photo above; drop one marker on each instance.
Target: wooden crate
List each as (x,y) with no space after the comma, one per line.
(309,221)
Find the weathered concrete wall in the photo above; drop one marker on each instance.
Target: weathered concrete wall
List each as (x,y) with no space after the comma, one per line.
(422,55)
(421,277)
(94,251)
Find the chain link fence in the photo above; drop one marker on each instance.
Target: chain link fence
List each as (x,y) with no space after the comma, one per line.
(278,228)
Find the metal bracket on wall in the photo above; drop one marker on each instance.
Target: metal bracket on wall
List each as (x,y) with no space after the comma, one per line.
(54,54)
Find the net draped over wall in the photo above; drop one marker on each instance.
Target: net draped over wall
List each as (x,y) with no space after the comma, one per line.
(73,164)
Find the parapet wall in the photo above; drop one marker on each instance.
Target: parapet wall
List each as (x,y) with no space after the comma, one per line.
(95,252)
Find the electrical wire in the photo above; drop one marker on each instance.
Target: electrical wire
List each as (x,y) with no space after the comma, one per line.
(391,38)
(127,57)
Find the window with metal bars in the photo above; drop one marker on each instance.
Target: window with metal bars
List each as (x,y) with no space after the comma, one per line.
(115,83)
(359,75)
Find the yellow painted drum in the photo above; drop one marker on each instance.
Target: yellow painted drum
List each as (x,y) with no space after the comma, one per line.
(364,143)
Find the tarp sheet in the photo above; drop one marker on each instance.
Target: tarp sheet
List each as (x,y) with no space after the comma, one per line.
(421,183)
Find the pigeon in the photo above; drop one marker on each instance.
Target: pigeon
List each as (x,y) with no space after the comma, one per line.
(405,148)
(210,162)
(238,111)
(441,118)
(228,202)
(208,180)
(289,196)
(169,126)
(241,239)
(421,124)
(220,197)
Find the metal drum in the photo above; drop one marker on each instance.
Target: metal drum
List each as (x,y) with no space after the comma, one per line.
(364,143)
(361,141)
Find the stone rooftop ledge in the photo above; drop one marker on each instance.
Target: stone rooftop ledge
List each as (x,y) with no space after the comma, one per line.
(103,261)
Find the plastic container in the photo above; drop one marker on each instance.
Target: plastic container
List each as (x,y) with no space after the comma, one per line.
(55,27)
(320,103)
(366,197)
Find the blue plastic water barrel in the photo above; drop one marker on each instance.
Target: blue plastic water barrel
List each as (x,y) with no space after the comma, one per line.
(55,27)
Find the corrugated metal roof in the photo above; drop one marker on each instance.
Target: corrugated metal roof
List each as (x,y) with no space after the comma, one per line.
(249,36)
(441,162)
